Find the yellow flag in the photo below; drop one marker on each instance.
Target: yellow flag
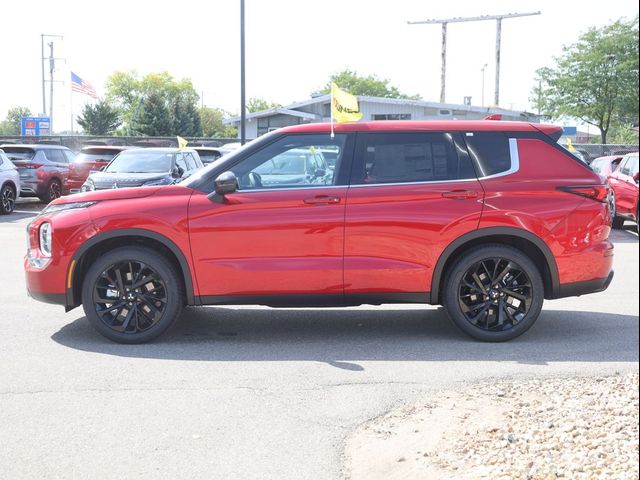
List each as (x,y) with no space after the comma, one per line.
(182,143)
(344,106)
(570,146)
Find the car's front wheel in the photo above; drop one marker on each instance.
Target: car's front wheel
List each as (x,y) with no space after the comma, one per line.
(132,294)
(493,293)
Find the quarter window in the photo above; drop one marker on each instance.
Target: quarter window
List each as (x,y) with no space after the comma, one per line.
(409,157)
(55,155)
(490,151)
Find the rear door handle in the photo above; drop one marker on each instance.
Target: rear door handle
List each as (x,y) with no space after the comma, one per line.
(322,200)
(461,194)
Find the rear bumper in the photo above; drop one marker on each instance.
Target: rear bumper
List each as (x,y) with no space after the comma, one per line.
(583,288)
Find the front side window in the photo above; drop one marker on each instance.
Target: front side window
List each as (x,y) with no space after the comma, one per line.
(290,163)
(630,167)
(409,157)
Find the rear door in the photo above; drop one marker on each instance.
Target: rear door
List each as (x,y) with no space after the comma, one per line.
(411,194)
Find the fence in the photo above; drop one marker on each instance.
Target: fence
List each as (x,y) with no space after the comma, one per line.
(76,142)
(591,151)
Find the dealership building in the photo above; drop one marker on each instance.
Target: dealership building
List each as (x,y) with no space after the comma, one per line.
(318,109)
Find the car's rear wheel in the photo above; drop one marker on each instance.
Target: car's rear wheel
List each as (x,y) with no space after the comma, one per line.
(132,295)
(7,199)
(53,191)
(493,293)
(617,222)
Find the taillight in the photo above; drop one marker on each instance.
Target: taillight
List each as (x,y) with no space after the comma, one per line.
(31,165)
(599,193)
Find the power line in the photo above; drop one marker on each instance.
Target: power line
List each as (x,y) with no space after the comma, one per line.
(445,21)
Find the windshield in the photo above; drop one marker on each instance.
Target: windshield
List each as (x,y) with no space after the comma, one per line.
(94,157)
(141,162)
(19,153)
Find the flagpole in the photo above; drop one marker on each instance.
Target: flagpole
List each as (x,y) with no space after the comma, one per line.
(71,106)
(331,112)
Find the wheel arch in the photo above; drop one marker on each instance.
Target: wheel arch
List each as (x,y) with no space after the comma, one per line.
(527,242)
(11,184)
(89,250)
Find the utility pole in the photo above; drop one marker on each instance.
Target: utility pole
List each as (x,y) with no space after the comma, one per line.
(52,66)
(243,114)
(483,69)
(444,22)
(42,59)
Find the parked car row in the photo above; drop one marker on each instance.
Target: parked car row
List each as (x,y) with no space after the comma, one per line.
(623,189)
(50,171)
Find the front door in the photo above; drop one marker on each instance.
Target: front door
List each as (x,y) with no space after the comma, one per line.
(282,232)
(411,195)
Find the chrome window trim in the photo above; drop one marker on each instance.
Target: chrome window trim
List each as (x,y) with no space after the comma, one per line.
(307,187)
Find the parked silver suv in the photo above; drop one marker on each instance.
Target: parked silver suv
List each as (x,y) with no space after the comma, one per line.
(9,184)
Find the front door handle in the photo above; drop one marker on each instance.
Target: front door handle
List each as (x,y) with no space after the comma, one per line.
(322,200)
(461,194)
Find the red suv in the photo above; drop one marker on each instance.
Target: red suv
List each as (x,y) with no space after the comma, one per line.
(91,158)
(486,218)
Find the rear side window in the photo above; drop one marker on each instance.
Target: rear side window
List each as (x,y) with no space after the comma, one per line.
(55,155)
(409,157)
(490,151)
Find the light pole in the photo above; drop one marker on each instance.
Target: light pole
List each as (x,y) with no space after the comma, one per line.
(42,59)
(482,70)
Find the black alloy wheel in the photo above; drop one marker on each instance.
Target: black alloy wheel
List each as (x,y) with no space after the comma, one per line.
(493,293)
(7,199)
(616,221)
(54,190)
(130,297)
(132,294)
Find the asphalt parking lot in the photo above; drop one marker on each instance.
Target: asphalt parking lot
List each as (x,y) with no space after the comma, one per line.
(251,392)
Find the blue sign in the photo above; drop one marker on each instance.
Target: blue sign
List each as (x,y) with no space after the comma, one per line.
(36,126)
(569,131)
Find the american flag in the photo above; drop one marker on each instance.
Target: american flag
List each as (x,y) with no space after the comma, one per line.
(81,86)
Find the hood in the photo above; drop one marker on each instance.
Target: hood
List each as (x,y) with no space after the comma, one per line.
(112,194)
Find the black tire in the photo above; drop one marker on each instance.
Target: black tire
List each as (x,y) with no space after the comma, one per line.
(7,199)
(142,312)
(499,316)
(616,222)
(53,191)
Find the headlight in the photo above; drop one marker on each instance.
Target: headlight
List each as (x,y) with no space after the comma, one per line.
(45,239)
(66,206)
(158,181)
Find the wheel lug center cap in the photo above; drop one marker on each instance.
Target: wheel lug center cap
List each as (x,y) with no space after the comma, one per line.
(493,294)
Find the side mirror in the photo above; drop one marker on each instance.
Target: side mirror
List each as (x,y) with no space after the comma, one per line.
(103,168)
(177,172)
(224,184)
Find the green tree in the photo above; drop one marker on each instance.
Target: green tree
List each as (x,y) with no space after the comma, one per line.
(12,124)
(256,104)
(212,126)
(100,118)
(595,79)
(186,120)
(129,91)
(154,118)
(369,85)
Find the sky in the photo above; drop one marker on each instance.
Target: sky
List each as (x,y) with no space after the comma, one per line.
(292,47)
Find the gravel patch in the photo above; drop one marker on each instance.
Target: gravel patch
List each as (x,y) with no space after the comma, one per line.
(542,429)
